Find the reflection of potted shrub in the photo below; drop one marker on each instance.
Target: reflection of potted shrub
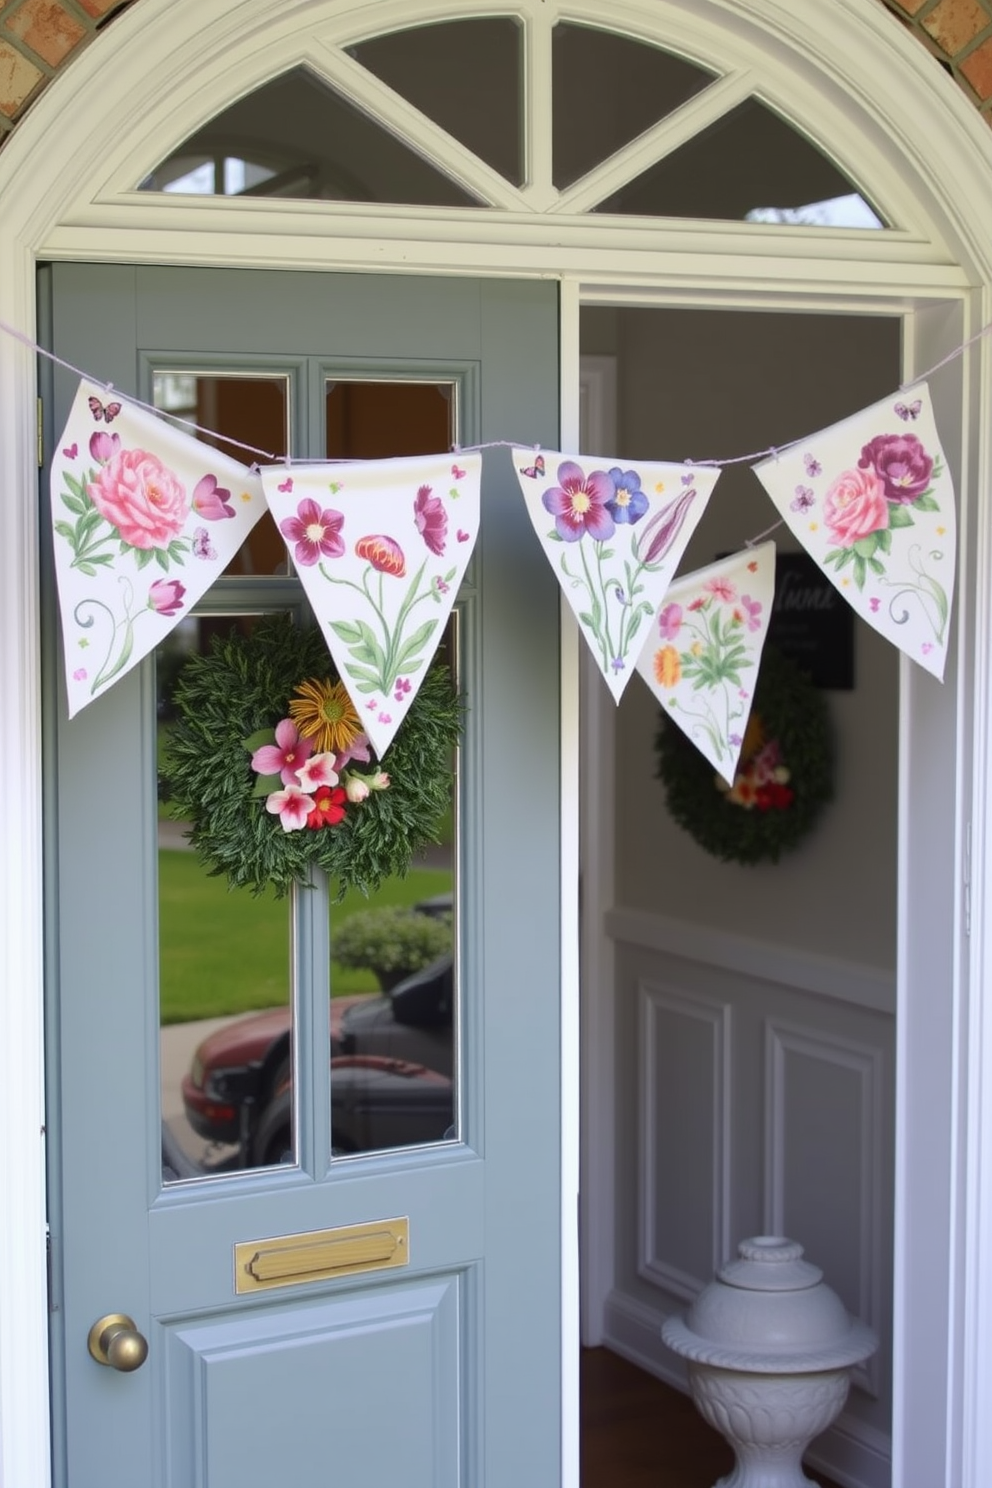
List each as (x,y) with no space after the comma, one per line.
(392,942)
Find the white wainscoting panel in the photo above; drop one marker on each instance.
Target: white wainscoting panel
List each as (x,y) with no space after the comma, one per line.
(754,1093)
(684,1186)
(824,1152)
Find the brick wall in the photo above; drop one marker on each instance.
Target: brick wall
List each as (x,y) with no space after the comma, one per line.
(37,37)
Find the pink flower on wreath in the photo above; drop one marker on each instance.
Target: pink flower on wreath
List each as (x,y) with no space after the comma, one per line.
(165,596)
(315,532)
(317,771)
(285,756)
(211,500)
(431,519)
(670,621)
(139,496)
(384,553)
(292,806)
(579,503)
(855,506)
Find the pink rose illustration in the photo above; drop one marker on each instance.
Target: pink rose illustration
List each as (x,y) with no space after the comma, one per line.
(902,464)
(855,506)
(141,498)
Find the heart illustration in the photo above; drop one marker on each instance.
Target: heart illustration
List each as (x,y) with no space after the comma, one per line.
(286,485)
(463,536)
(71,451)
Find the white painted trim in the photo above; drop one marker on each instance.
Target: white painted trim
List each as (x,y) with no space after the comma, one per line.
(860,81)
(571,1094)
(767,961)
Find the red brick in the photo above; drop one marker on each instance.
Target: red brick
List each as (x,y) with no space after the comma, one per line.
(18,80)
(47,28)
(977,68)
(98,8)
(954,24)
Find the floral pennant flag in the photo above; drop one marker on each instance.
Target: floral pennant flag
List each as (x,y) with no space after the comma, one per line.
(703,652)
(145,517)
(871,501)
(381,547)
(614,536)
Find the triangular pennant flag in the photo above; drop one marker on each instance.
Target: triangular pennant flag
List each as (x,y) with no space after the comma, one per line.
(145,517)
(381,547)
(702,656)
(871,501)
(614,535)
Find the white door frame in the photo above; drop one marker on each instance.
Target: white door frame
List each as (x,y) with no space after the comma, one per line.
(166,65)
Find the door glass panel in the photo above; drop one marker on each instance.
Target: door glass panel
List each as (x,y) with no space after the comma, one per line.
(225,1004)
(465,76)
(394,972)
(296,137)
(229,406)
(608,89)
(750,166)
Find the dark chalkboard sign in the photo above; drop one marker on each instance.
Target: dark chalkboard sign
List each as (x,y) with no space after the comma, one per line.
(811,623)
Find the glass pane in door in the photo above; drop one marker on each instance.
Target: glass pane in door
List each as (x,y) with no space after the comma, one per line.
(248,417)
(394,963)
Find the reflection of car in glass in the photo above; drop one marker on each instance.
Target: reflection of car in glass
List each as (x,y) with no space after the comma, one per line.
(391,1069)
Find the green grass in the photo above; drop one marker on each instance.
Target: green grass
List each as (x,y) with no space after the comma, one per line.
(226,952)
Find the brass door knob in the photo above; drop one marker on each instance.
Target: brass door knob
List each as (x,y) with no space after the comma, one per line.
(114,1340)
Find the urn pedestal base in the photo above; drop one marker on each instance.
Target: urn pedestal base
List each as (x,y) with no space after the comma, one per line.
(768,1419)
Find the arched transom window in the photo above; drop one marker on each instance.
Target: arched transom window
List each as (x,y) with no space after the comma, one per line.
(487,112)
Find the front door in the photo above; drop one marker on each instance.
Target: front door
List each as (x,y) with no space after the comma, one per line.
(443,1370)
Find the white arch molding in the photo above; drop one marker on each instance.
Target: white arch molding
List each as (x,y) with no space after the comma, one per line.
(869,93)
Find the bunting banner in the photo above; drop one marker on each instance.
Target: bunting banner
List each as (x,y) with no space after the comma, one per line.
(381,547)
(614,537)
(702,656)
(872,502)
(144,517)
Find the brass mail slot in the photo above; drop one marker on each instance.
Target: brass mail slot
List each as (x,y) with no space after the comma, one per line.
(289,1260)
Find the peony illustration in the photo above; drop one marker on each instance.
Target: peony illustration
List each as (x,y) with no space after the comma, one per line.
(139,496)
(384,553)
(901,463)
(855,506)
(431,519)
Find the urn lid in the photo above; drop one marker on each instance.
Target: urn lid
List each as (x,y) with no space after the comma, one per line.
(770,1263)
(769,1311)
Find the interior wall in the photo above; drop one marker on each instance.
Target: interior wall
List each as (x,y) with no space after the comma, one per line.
(712,385)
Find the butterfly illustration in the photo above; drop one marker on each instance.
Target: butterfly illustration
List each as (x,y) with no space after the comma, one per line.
(909,411)
(803,499)
(454,493)
(334,487)
(688,479)
(286,485)
(459,473)
(202,546)
(108,411)
(813,467)
(536,470)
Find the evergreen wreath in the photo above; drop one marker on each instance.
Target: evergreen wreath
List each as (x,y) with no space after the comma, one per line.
(784,775)
(237,720)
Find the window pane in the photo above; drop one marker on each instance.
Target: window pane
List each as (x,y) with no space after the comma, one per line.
(225,1002)
(295,137)
(608,89)
(394,418)
(252,409)
(465,76)
(749,166)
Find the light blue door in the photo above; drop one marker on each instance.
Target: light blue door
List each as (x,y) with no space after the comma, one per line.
(441,1370)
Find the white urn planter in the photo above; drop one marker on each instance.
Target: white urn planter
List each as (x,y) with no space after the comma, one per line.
(770,1348)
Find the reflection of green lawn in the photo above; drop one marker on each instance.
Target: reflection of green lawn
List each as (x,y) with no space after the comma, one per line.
(227,952)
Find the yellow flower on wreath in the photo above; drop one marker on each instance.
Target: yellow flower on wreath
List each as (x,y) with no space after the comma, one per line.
(323,712)
(668,666)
